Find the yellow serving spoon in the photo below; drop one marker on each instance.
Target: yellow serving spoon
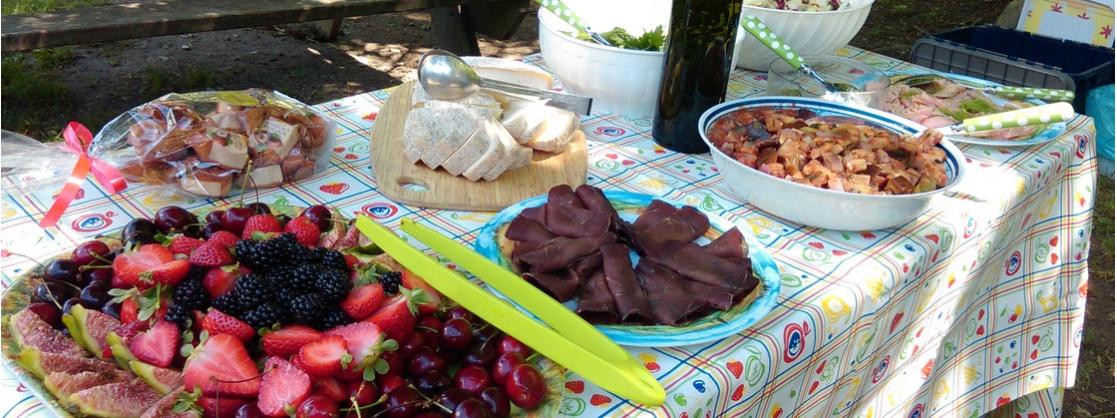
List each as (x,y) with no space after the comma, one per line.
(569,340)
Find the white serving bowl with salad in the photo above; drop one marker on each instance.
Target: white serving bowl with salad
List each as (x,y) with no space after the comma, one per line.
(812,27)
(620,80)
(881,186)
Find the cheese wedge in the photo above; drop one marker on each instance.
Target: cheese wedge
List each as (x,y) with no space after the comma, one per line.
(484,102)
(432,136)
(494,155)
(539,126)
(515,156)
(510,71)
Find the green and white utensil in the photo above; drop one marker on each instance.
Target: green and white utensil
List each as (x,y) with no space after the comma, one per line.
(770,39)
(1039,115)
(564,12)
(1003,91)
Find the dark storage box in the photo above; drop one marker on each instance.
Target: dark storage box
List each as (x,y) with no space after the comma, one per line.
(1016,58)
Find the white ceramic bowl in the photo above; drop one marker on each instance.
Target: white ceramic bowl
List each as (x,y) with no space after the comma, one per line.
(810,33)
(821,207)
(619,80)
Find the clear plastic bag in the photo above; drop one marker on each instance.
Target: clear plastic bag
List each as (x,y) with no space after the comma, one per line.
(210,143)
(29,165)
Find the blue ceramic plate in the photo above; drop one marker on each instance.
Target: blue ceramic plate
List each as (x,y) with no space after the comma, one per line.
(715,326)
(1044,135)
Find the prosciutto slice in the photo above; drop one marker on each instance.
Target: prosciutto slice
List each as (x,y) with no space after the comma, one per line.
(696,263)
(632,303)
(667,292)
(559,252)
(595,302)
(523,229)
(729,245)
(558,287)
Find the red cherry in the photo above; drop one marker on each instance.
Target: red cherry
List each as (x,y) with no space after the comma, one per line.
(234,219)
(525,386)
(456,334)
(459,312)
(89,253)
(497,401)
(48,312)
(471,408)
(362,392)
(403,403)
(504,365)
(425,359)
(317,406)
(389,383)
(480,355)
(512,345)
(320,215)
(472,378)
(215,217)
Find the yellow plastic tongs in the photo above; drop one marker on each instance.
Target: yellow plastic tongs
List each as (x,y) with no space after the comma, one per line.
(566,338)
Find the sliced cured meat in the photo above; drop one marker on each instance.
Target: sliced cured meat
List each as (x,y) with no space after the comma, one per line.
(562,288)
(654,214)
(717,296)
(535,214)
(526,230)
(694,262)
(584,267)
(595,302)
(574,222)
(730,245)
(594,199)
(684,225)
(620,277)
(559,252)
(667,293)
(563,196)
(30,331)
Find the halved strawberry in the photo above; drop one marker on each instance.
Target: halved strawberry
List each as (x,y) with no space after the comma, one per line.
(220,280)
(365,342)
(212,254)
(286,342)
(226,238)
(283,388)
(305,230)
(332,389)
(149,265)
(182,244)
(217,322)
(156,346)
(431,301)
(397,317)
(220,364)
(131,329)
(363,301)
(325,356)
(129,310)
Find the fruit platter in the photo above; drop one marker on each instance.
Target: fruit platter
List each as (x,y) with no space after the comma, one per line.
(257,311)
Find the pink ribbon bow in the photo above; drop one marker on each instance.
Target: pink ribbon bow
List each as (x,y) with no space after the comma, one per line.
(78,138)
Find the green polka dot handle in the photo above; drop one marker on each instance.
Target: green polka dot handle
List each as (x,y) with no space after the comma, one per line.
(1039,115)
(563,12)
(762,33)
(1033,93)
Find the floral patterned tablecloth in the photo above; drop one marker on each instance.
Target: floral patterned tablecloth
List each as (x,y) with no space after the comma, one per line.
(977,302)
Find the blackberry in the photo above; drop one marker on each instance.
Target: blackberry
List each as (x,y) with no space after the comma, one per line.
(332,284)
(177,314)
(302,278)
(265,315)
(191,293)
(287,249)
(251,290)
(253,255)
(227,303)
(334,318)
(391,281)
(306,308)
(331,258)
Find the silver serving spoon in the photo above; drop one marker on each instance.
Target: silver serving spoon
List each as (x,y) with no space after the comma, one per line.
(446,76)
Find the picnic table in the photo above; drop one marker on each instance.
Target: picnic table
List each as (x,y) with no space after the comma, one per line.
(978,302)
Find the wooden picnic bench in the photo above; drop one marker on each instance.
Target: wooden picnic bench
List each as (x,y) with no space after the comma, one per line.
(453,21)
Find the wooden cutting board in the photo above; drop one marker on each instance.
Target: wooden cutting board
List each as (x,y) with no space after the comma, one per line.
(415,184)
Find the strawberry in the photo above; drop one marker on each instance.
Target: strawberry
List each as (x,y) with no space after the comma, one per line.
(363,301)
(225,238)
(332,389)
(220,407)
(130,330)
(150,264)
(352,261)
(211,255)
(221,365)
(305,230)
(265,224)
(430,300)
(284,387)
(397,317)
(325,356)
(220,280)
(182,244)
(129,310)
(217,322)
(364,341)
(287,341)
(156,346)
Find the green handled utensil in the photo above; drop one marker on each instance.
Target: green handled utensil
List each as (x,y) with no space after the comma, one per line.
(1039,115)
(770,39)
(566,338)
(565,13)
(1003,91)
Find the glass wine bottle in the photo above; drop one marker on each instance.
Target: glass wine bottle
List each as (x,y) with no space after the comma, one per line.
(696,70)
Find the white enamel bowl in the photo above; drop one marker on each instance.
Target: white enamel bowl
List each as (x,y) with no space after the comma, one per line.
(810,33)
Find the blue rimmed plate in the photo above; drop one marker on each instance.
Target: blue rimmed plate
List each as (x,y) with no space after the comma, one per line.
(1044,135)
(715,326)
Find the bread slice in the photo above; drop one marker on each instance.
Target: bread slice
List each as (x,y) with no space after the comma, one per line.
(484,102)
(515,156)
(539,126)
(497,153)
(481,145)
(432,136)
(510,71)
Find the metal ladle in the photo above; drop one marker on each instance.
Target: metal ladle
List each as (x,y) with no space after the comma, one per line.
(446,76)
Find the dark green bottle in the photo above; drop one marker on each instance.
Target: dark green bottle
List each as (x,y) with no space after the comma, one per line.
(696,70)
